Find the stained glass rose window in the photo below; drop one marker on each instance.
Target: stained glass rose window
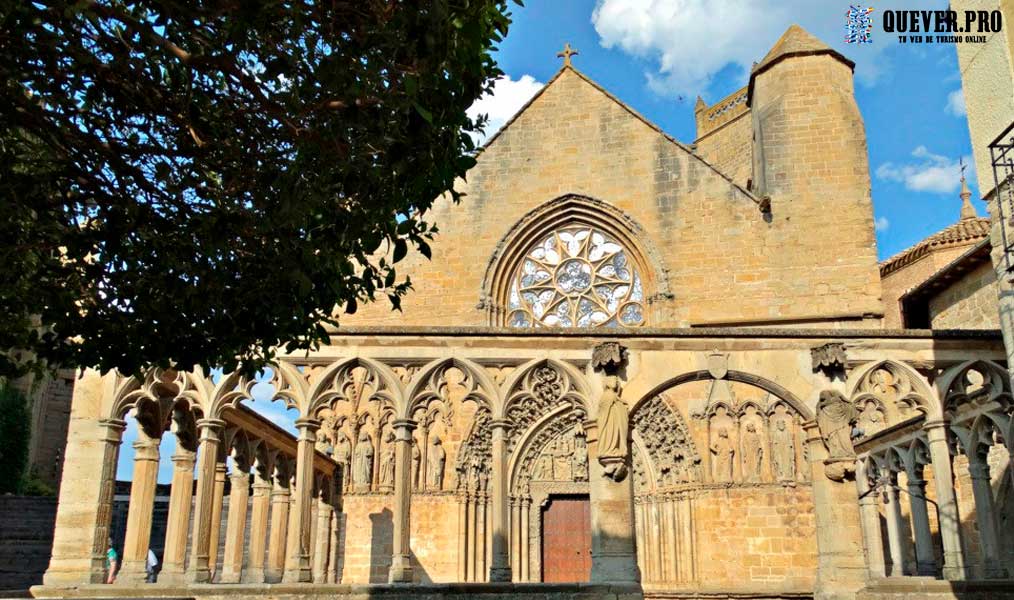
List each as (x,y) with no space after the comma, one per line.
(577,276)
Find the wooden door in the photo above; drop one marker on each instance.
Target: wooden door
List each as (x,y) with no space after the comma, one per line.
(566,539)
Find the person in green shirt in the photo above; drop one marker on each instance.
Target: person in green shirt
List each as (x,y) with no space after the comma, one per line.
(112,561)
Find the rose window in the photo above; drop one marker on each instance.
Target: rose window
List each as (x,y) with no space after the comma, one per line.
(576,277)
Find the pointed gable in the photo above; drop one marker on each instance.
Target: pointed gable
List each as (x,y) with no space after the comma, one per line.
(796,41)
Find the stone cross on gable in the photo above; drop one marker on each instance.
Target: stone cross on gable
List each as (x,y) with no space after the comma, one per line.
(961,161)
(566,53)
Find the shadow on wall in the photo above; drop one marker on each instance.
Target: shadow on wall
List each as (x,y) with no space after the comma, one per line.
(381,539)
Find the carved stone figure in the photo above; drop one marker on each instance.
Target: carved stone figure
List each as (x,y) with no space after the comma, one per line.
(723,452)
(436,459)
(343,455)
(835,417)
(363,458)
(416,457)
(562,453)
(783,452)
(387,460)
(614,430)
(753,453)
(579,458)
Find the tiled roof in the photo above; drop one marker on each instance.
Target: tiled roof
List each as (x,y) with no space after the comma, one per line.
(959,234)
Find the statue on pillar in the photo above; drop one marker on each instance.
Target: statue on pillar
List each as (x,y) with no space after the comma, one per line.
(436,458)
(835,417)
(387,460)
(614,430)
(363,467)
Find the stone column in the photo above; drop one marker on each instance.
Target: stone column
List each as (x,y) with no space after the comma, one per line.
(841,570)
(235,541)
(139,513)
(947,507)
(279,522)
(985,516)
(614,557)
(221,472)
(297,561)
(515,536)
(332,563)
(471,535)
(892,513)
(925,561)
(199,569)
(526,557)
(259,512)
(480,536)
(178,528)
(462,534)
(670,538)
(322,542)
(871,523)
(401,565)
(500,567)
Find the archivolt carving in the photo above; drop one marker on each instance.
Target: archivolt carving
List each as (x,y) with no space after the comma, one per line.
(666,440)
(475,455)
(973,385)
(356,381)
(540,389)
(550,452)
(449,379)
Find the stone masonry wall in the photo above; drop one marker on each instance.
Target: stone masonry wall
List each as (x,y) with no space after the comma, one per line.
(969,303)
(713,240)
(26,536)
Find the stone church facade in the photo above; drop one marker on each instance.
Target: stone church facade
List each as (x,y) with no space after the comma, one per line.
(656,367)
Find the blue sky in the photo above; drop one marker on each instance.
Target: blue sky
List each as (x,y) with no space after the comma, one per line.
(657,56)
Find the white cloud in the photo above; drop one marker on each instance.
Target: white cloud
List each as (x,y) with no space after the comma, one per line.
(689,41)
(929,173)
(507,98)
(881,224)
(956,103)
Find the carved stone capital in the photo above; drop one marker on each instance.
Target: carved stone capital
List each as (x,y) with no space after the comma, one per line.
(609,357)
(829,358)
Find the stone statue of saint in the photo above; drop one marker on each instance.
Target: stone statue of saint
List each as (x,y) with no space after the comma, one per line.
(783,452)
(387,460)
(753,453)
(835,416)
(436,459)
(362,470)
(723,452)
(343,455)
(614,430)
(416,458)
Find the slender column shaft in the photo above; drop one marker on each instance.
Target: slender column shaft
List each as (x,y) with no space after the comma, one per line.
(142,503)
(297,561)
(657,537)
(985,516)
(499,568)
(526,551)
(462,538)
(279,528)
(893,514)
(323,538)
(670,537)
(259,513)
(221,472)
(470,545)
(178,527)
(515,537)
(925,562)
(333,575)
(950,525)
(235,532)
(401,566)
(199,569)
(870,515)
(423,473)
(480,537)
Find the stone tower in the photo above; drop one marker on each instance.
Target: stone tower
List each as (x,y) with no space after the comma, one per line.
(810,159)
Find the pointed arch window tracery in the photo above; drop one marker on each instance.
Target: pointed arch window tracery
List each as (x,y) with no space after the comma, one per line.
(576,276)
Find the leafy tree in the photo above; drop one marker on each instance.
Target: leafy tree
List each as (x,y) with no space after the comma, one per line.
(196,183)
(15,432)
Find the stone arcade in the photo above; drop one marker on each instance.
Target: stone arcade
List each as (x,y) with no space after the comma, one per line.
(653,368)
